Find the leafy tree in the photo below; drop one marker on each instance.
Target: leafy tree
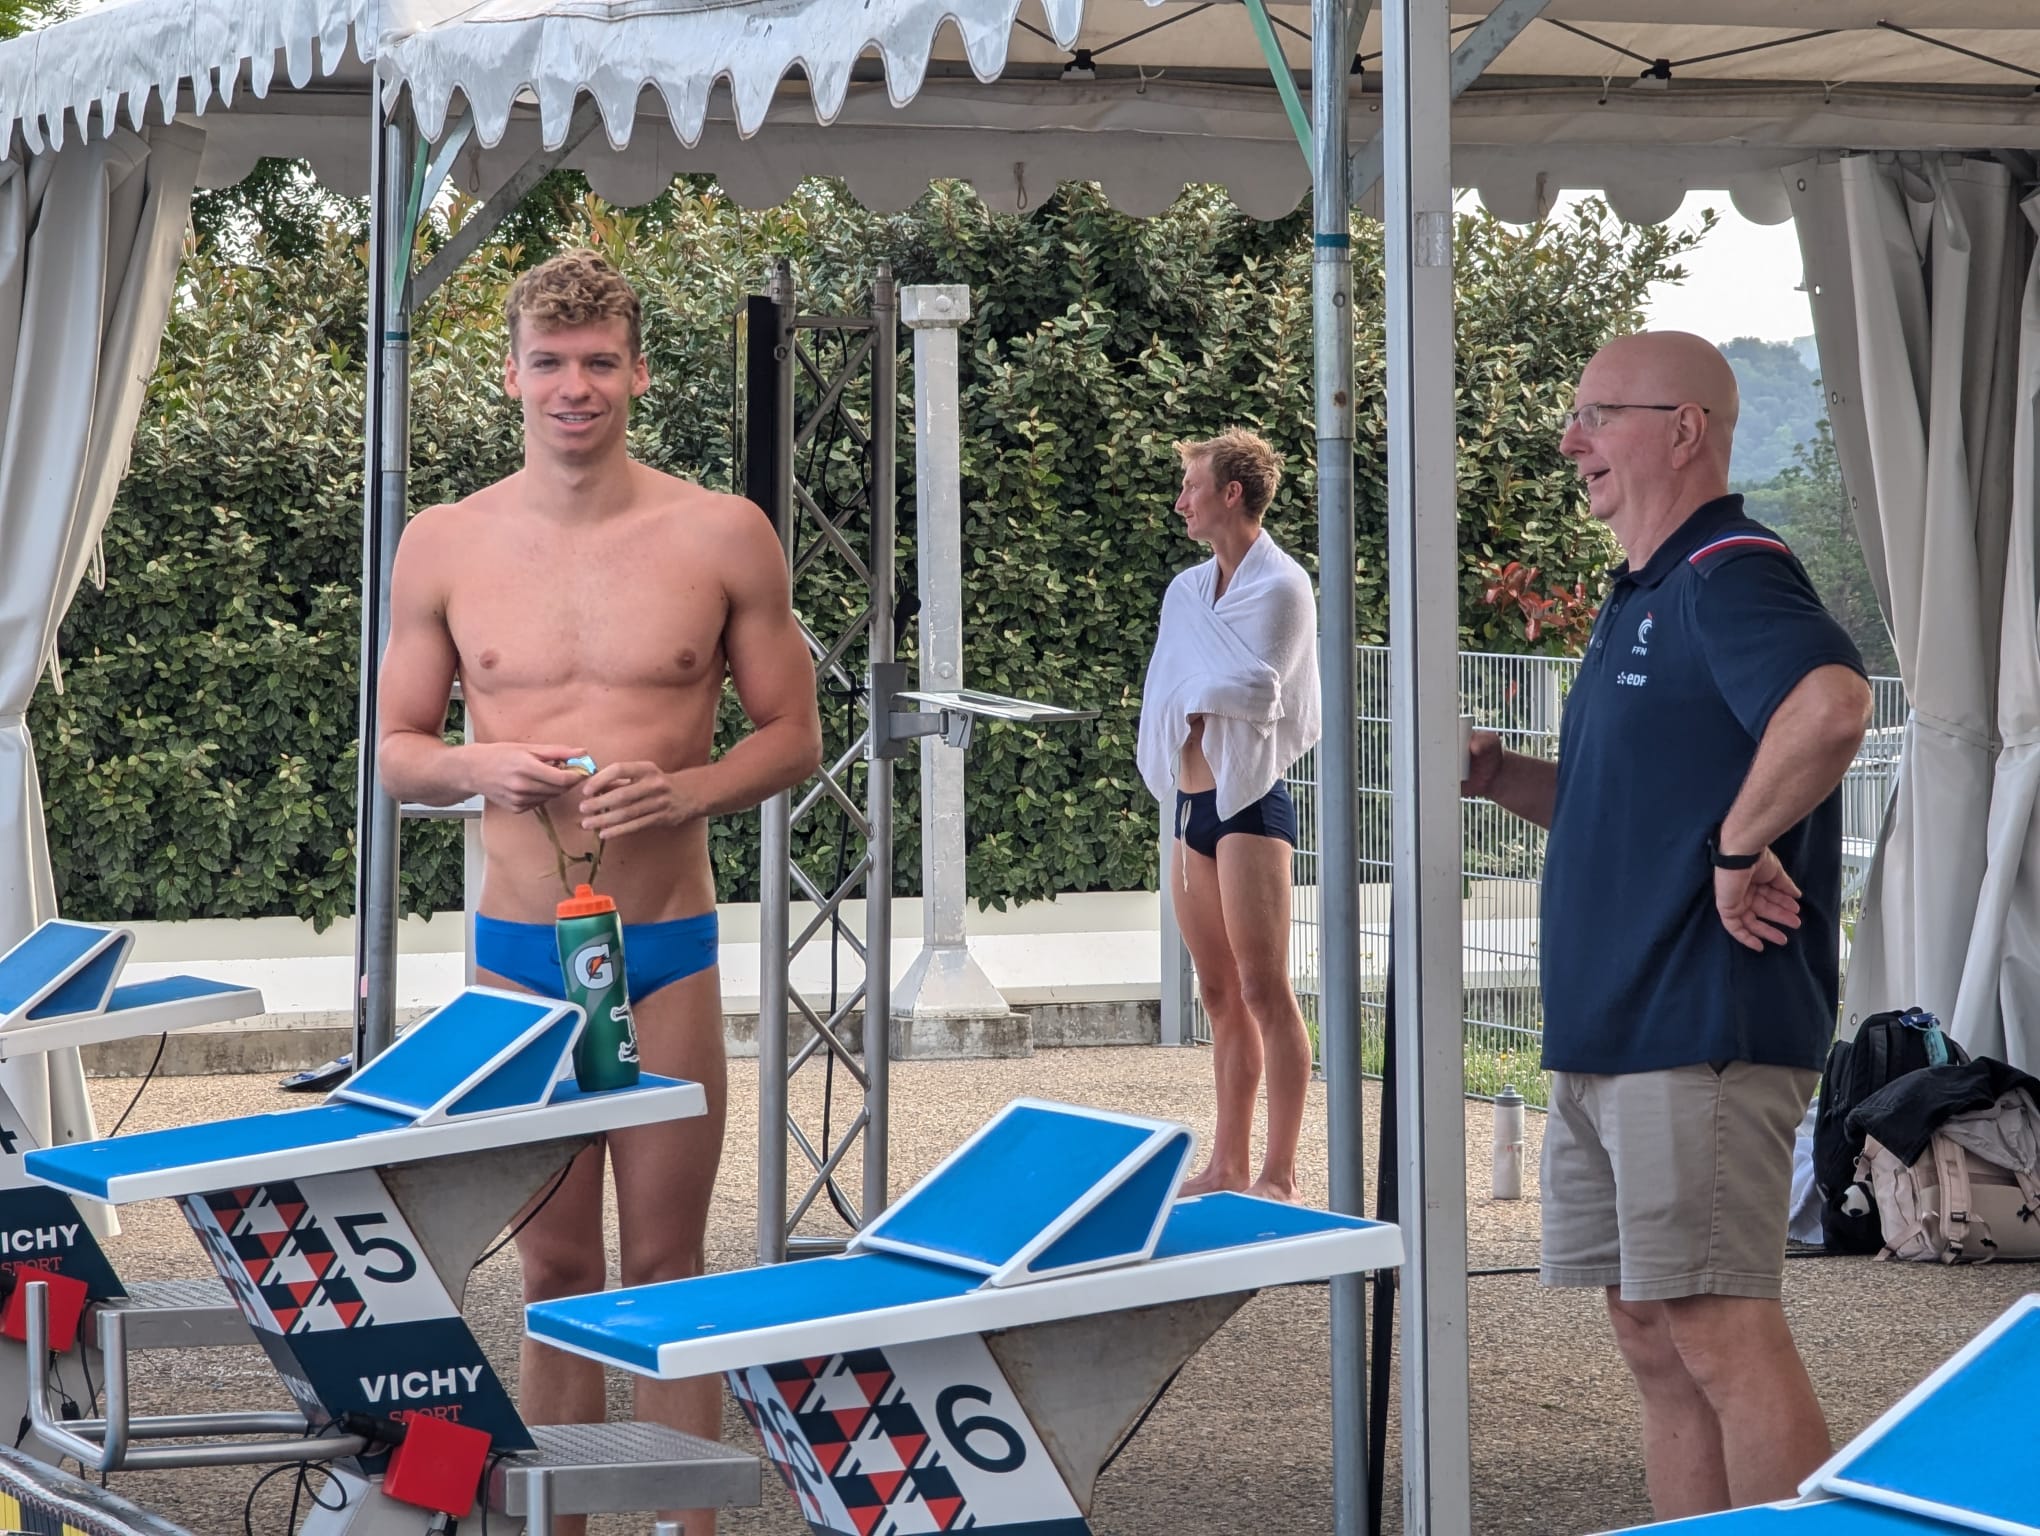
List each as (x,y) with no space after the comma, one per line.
(201,760)
(1532,306)
(1780,406)
(19,16)
(279,207)
(1809,507)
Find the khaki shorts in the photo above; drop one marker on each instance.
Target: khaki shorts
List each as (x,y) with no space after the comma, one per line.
(1674,1183)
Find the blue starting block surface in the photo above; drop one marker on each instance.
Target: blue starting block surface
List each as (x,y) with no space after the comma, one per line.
(1823,1517)
(1041,1190)
(488,1052)
(332,1138)
(481,1072)
(59,988)
(1210,1246)
(1963,1447)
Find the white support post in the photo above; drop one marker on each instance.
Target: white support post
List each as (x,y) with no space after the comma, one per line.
(1178,980)
(1424,772)
(474,864)
(945,1005)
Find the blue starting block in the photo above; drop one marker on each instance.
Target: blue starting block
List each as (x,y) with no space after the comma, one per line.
(1964,1445)
(345,1233)
(983,1346)
(1957,1453)
(60,988)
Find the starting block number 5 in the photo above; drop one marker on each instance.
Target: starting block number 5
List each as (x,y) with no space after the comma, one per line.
(318,1254)
(914,1438)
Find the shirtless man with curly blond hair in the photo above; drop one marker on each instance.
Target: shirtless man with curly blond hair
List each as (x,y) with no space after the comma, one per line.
(591,605)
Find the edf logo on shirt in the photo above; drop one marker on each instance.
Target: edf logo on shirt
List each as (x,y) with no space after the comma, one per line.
(1639,649)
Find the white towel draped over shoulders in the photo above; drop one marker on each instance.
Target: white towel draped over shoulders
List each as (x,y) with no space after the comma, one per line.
(1247,662)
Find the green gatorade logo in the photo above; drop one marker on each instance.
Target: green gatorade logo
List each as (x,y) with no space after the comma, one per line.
(594,967)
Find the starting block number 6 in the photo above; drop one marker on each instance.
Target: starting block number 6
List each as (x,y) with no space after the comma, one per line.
(1014,1452)
(918,1437)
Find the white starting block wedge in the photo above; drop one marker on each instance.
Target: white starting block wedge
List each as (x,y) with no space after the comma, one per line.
(1815,1517)
(1960,1452)
(346,1233)
(60,987)
(976,1356)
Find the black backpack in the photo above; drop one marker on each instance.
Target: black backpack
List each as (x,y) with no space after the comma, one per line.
(1886,1047)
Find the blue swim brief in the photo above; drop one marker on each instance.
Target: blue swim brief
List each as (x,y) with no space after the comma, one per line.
(1198,824)
(655,955)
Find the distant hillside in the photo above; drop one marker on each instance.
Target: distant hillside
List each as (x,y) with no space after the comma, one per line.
(1781,402)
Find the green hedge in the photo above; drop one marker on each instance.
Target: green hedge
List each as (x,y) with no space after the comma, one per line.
(199,760)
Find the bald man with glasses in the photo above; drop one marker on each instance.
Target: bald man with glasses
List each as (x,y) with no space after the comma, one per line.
(1690,925)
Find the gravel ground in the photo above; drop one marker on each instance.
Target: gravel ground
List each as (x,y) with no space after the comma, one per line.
(1243,1441)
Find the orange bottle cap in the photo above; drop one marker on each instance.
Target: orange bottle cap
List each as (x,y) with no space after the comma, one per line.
(585,903)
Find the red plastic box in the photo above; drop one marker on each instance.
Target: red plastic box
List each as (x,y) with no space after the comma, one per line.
(439,1466)
(66,1306)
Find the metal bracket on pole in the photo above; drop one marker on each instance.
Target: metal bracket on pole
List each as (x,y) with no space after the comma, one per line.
(1285,81)
(953,714)
(1478,49)
(485,220)
(401,257)
(457,136)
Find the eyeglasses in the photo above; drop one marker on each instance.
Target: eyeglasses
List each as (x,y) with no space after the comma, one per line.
(1591,416)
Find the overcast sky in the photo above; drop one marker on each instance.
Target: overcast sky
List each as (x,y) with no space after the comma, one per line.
(1744,280)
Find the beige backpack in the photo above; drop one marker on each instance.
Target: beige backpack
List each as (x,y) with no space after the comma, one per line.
(1972,1196)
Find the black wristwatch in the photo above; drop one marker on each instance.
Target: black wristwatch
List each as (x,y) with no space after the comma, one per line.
(1722,860)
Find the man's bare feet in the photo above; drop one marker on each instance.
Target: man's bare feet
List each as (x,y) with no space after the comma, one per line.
(1211,1182)
(1266,1188)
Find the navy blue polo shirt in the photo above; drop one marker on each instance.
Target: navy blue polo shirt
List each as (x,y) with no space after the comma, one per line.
(1689,657)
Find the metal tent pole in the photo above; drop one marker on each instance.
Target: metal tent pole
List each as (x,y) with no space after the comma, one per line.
(1338,764)
(878,788)
(387,454)
(775,883)
(1424,752)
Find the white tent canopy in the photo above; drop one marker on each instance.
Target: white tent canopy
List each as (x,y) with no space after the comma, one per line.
(895,92)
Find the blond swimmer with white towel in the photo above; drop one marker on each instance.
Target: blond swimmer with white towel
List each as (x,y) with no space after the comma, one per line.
(1230,703)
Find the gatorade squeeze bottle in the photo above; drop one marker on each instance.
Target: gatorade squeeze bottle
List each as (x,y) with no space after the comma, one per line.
(590,939)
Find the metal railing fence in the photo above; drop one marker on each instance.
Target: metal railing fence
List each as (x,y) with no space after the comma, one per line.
(1502,860)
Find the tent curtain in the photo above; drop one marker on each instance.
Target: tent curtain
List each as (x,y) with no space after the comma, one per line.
(1916,266)
(90,238)
(1997,1012)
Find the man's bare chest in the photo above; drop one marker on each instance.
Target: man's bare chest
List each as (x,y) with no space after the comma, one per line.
(547,617)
